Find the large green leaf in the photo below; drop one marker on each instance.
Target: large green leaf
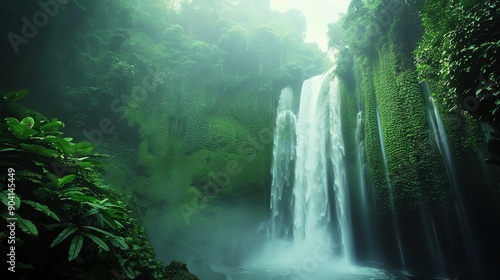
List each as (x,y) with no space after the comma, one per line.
(64,145)
(63,235)
(16,95)
(98,241)
(99,206)
(4,197)
(110,220)
(100,231)
(82,148)
(65,180)
(50,139)
(11,121)
(132,274)
(119,242)
(52,126)
(28,122)
(42,208)
(78,190)
(39,150)
(91,212)
(80,197)
(9,150)
(85,164)
(26,226)
(75,247)
(22,130)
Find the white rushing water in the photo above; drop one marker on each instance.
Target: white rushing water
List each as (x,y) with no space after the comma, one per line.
(310,192)
(283,167)
(440,136)
(366,201)
(311,149)
(340,191)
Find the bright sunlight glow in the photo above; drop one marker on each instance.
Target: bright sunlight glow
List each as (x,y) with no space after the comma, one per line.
(318,14)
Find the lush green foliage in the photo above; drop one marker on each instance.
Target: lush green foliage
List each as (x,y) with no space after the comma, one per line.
(459,54)
(70,223)
(166,72)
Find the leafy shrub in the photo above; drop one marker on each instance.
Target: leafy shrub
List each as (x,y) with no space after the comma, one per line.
(70,224)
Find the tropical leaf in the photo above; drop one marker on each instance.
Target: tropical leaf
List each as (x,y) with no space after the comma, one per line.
(95,205)
(85,164)
(4,197)
(109,220)
(42,208)
(28,122)
(10,121)
(119,242)
(80,197)
(75,247)
(132,274)
(65,180)
(82,148)
(98,241)
(51,126)
(50,139)
(39,150)
(27,226)
(100,231)
(9,150)
(27,175)
(79,190)
(64,146)
(91,212)
(16,95)
(63,235)
(22,130)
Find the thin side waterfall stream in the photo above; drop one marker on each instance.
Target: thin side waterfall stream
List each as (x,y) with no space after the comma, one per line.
(441,139)
(365,200)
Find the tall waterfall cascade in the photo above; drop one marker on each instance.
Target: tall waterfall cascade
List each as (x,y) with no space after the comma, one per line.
(309,199)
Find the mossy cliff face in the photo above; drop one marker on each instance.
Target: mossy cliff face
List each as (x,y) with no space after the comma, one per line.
(172,82)
(415,173)
(230,160)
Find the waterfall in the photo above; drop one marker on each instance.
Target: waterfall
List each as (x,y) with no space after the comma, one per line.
(319,199)
(311,204)
(365,200)
(340,190)
(439,134)
(441,139)
(283,167)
